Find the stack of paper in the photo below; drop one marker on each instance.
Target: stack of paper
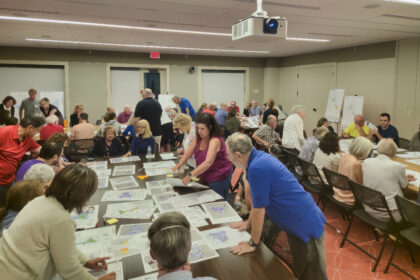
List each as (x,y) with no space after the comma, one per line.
(122,170)
(124,182)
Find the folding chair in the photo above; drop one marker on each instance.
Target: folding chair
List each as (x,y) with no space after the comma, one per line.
(404,143)
(292,163)
(83,147)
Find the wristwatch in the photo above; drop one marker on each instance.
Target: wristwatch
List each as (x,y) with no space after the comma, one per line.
(190,174)
(252,243)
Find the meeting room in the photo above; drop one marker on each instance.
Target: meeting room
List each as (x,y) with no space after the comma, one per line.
(221,139)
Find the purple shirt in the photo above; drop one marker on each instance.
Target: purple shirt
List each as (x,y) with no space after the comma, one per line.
(221,166)
(25,167)
(123,117)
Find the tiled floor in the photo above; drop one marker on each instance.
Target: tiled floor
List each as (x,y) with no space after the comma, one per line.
(350,263)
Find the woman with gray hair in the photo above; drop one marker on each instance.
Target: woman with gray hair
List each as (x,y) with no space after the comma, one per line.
(350,165)
(311,145)
(386,176)
(293,129)
(41,172)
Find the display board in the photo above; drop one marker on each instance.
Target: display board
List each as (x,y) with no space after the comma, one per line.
(334,105)
(353,105)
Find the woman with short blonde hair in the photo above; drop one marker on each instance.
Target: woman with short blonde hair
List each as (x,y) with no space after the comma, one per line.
(184,123)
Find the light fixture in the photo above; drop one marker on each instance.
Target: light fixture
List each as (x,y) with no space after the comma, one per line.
(117,26)
(307,39)
(134,46)
(411,2)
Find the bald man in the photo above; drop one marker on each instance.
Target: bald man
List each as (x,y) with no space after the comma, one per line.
(125,115)
(356,129)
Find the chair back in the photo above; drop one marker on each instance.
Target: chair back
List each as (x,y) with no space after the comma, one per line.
(404,143)
(83,147)
(409,210)
(336,180)
(371,198)
(292,158)
(310,170)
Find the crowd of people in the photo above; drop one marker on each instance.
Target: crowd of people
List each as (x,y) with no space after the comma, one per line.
(37,194)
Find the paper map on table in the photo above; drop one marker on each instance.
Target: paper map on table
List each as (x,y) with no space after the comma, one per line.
(129,245)
(158,171)
(201,251)
(124,159)
(344,144)
(121,170)
(151,276)
(149,264)
(157,187)
(124,182)
(224,237)
(162,198)
(87,219)
(168,156)
(414,161)
(131,210)
(416,175)
(125,195)
(112,267)
(251,122)
(101,172)
(221,212)
(410,155)
(95,242)
(134,229)
(194,215)
(178,183)
(159,164)
(100,165)
(103,181)
(195,198)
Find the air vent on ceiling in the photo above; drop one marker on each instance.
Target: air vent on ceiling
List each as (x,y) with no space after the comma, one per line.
(401,17)
(330,35)
(285,5)
(29,11)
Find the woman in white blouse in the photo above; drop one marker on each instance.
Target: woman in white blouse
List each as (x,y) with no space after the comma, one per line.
(327,155)
(184,123)
(293,129)
(40,241)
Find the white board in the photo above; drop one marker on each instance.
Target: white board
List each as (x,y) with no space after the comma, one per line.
(125,89)
(353,105)
(334,104)
(165,101)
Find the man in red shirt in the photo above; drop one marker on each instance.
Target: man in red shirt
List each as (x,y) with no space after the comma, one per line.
(233,104)
(51,128)
(15,141)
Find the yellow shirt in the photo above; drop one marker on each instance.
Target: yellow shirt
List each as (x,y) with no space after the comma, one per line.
(353,132)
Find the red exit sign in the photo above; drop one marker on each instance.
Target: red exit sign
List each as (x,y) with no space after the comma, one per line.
(154,55)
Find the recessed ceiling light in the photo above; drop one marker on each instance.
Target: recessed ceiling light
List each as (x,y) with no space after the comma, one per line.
(105,25)
(411,2)
(307,39)
(134,46)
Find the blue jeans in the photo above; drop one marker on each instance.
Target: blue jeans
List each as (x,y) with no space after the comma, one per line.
(222,186)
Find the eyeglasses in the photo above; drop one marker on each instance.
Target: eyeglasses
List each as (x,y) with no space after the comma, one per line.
(141,127)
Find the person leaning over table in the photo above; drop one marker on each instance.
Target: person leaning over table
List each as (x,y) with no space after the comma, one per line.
(184,123)
(209,150)
(48,109)
(170,245)
(356,129)
(277,195)
(47,221)
(415,141)
(108,145)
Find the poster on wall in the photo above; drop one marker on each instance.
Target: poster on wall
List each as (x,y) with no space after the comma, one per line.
(353,105)
(165,101)
(334,104)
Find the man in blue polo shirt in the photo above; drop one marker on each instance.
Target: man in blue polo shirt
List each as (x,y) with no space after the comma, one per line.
(386,130)
(276,193)
(185,106)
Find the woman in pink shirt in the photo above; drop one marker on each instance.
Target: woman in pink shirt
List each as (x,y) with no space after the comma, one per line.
(209,150)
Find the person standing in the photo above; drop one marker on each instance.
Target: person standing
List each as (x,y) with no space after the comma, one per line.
(150,110)
(48,109)
(277,195)
(293,129)
(8,105)
(185,106)
(29,106)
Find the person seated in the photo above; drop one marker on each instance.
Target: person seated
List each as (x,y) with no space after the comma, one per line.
(327,155)
(74,118)
(202,107)
(108,145)
(129,130)
(110,120)
(232,122)
(356,129)
(50,154)
(109,110)
(247,109)
(325,123)
(415,141)
(42,234)
(270,110)
(350,165)
(42,173)
(142,140)
(386,176)
(312,144)
(208,111)
(170,245)
(255,110)
(8,104)
(51,128)
(48,109)
(18,196)
(83,130)
(266,134)
(233,105)
(125,115)
(221,114)
(386,130)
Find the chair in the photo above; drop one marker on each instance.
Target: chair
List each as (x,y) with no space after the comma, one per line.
(292,163)
(376,201)
(410,213)
(278,152)
(124,143)
(312,180)
(82,147)
(404,143)
(41,142)
(98,122)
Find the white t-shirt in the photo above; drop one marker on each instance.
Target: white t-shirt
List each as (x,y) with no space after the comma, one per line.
(293,132)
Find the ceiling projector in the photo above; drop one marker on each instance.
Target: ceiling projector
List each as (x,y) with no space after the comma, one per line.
(259,25)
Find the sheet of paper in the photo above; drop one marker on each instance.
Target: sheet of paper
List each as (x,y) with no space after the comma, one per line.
(194,215)
(149,264)
(201,251)
(158,187)
(124,159)
(131,210)
(152,276)
(158,171)
(124,182)
(168,156)
(121,170)
(101,172)
(401,150)
(176,182)
(416,175)
(95,242)
(414,161)
(87,219)
(221,212)
(112,267)
(134,229)
(103,181)
(162,198)
(224,237)
(124,246)
(344,144)
(195,198)
(98,164)
(410,155)
(125,195)
(159,164)
(160,183)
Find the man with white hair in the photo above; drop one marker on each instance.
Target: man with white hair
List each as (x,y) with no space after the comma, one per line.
(386,176)
(293,129)
(266,135)
(149,109)
(356,129)
(277,195)
(255,110)
(185,106)
(125,115)
(51,128)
